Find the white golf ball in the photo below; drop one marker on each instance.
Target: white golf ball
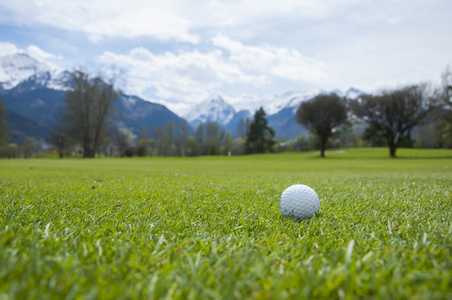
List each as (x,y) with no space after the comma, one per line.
(299,201)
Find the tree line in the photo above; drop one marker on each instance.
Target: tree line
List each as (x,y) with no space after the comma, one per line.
(208,139)
(390,115)
(388,118)
(86,128)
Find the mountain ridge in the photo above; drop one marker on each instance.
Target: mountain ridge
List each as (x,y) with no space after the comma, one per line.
(18,68)
(280,113)
(212,109)
(23,77)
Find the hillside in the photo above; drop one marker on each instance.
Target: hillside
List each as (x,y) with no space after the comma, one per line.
(33,91)
(34,112)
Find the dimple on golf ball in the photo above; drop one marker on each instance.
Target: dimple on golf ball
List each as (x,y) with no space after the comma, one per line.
(299,201)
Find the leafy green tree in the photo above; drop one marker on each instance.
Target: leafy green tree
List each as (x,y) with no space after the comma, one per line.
(301,143)
(3,125)
(9,151)
(432,135)
(89,105)
(29,147)
(228,143)
(321,114)
(124,139)
(260,137)
(191,146)
(447,135)
(239,146)
(144,144)
(374,136)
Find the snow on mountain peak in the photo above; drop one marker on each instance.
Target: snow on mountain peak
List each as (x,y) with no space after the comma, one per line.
(213,109)
(353,93)
(216,109)
(289,100)
(20,67)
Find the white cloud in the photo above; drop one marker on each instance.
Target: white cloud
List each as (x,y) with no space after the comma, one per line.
(8,49)
(275,61)
(170,19)
(95,39)
(32,50)
(40,54)
(189,77)
(184,49)
(186,76)
(98,19)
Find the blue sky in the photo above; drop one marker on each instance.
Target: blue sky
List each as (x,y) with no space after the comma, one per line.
(178,52)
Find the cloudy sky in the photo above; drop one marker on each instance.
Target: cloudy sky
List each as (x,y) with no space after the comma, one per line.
(177,52)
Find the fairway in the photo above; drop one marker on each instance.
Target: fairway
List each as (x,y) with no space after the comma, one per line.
(210,227)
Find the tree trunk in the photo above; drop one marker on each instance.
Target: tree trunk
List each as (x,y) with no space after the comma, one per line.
(323,142)
(392,151)
(392,142)
(322,149)
(88,152)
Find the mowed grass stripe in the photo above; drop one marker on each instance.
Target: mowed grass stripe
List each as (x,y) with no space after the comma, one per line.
(210,227)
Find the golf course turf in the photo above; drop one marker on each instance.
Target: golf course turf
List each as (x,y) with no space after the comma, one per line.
(210,227)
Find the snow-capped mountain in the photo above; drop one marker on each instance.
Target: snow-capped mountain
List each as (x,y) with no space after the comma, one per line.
(294,99)
(280,110)
(281,116)
(289,100)
(33,95)
(213,109)
(353,93)
(21,68)
(25,78)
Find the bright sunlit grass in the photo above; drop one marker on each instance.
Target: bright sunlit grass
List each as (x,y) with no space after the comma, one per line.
(210,227)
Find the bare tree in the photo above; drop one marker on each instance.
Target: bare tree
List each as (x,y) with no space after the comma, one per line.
(242,128)
(321,115)
(158,133)
(395,113)
(446,95)
(182,134)
(59,138)
(214,135)
(447,86)
(168,139)
(200,136)
(89,104)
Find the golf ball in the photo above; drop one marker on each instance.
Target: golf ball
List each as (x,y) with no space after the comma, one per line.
(299,201)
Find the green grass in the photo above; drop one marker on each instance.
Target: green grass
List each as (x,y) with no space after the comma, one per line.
(210,227)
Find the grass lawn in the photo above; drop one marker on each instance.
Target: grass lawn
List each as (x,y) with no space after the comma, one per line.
(210,227)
